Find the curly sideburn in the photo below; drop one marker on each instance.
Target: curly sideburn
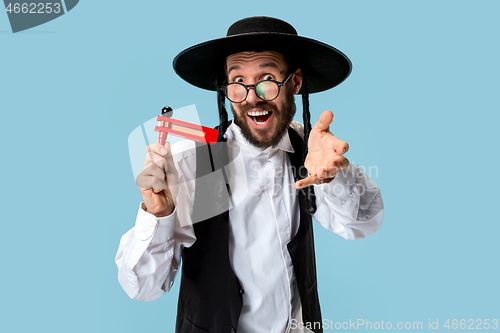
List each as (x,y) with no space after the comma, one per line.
(307,199)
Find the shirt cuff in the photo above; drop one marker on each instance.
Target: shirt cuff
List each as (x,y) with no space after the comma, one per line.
(156,229)
(342,186)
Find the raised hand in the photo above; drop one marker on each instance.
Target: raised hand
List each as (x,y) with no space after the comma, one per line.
(324,158)
(158,180)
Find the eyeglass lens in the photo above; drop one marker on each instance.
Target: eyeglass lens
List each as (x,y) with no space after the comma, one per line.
(266,90)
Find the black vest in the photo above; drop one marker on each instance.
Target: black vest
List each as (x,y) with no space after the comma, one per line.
(210,298)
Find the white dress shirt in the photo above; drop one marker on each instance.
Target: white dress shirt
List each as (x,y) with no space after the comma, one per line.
(264,217)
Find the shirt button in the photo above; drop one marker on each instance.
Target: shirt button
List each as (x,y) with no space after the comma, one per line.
(242,291)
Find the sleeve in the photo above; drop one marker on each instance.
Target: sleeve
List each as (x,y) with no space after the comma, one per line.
(149,254)
(350,205)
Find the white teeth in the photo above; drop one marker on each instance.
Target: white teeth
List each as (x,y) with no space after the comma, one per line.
(254,114)
(257,113)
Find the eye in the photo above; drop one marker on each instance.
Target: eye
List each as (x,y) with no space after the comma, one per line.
(268,77)
(238,79)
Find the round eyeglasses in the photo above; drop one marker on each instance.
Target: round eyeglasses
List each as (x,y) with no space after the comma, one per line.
(266,90)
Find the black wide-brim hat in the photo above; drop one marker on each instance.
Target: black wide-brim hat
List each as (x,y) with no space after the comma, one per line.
(202,64)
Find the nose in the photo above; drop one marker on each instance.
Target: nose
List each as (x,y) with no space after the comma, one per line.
(252,97)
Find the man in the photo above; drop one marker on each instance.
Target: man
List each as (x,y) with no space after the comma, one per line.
(250,266)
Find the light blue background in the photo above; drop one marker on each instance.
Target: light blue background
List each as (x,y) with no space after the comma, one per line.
(421,106)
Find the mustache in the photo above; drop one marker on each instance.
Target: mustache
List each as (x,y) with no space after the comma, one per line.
(260,105)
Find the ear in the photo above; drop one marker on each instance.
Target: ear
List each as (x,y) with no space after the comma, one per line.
(297,80)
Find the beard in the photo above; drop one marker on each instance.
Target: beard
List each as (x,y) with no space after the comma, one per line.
(284,118)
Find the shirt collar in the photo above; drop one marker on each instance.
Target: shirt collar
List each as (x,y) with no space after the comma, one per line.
(234,134)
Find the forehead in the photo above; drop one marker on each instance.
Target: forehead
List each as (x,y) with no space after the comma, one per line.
(256,60)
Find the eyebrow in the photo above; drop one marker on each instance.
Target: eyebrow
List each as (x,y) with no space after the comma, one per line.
(235,67)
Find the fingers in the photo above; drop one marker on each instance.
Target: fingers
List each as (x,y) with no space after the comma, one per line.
(339,146)
(323,174)
(323,125)
(337,163)
(324,121)
(159,149)
(159,161)
(152,170)
(313,179)
(158,168)
(161,156)
(151,181)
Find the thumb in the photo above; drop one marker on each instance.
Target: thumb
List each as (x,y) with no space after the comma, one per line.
(324,121)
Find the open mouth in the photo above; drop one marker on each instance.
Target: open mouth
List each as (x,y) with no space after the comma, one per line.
(260,117)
